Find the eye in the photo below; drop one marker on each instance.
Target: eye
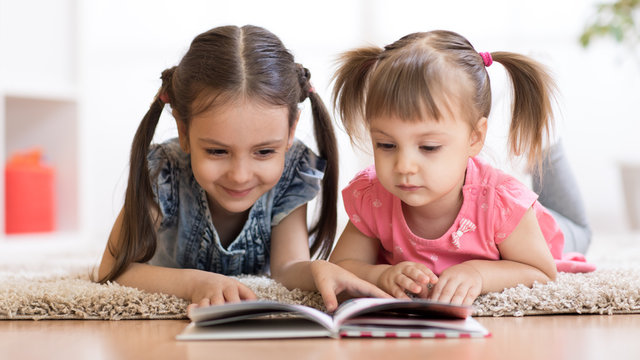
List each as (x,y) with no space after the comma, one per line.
(430,148)
(385,146)
(265,152)
(216,152)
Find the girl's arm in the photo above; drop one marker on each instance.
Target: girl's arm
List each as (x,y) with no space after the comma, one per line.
(358,253)
(200,287)
(525,259)
(291,264)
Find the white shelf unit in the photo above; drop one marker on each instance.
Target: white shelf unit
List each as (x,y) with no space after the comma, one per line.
(38,101)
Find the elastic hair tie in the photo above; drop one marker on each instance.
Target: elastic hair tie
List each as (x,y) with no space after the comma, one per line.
(164,97)
(486,58)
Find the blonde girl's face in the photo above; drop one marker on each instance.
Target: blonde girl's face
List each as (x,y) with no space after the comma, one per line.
(237,151)
(424,162)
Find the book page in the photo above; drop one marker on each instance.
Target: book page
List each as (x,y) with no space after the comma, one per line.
(256,329)
(231,312)
(419,308)
(468,325)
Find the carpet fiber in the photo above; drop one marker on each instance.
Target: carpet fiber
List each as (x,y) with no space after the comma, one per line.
(49,291)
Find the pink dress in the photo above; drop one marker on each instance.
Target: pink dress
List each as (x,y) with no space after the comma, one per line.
(493,205)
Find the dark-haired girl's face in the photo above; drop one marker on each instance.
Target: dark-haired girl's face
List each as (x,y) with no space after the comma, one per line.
(238,152)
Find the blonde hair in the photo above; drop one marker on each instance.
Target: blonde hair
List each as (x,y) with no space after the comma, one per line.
(416,76)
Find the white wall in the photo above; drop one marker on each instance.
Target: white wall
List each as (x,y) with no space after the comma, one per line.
(124,45)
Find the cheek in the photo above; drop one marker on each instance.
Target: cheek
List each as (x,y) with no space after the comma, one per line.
(203,170)
(446,173)
(270,171)
(384,171)
(383,161)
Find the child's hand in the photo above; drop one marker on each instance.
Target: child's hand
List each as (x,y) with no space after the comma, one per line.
(460,285)
(406,276)
(215,289)
(331,280)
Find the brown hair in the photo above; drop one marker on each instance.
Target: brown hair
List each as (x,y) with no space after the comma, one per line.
(421,72)
(222,64)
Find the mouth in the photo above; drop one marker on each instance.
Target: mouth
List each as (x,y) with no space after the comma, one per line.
(408,187)
(237,193)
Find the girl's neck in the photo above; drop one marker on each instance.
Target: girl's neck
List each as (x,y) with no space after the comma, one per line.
(228,224)
(434,220)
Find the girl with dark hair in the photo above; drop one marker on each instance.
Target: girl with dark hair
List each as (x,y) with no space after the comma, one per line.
(229,195)
(431,217)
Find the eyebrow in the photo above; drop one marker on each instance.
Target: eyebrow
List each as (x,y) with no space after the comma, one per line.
(427,133)
(213,142)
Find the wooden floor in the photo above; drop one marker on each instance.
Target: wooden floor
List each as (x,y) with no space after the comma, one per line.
(533,337)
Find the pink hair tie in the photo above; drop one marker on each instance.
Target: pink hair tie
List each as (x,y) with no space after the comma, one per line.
(164,97)
(486,58)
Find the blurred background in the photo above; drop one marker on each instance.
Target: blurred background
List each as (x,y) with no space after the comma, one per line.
(77,76)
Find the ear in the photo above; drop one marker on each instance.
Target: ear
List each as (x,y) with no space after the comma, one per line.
(477,137)
(183,135)
(292,131)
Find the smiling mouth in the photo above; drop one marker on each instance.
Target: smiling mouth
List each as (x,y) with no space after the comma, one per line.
(408,187)
(238,193)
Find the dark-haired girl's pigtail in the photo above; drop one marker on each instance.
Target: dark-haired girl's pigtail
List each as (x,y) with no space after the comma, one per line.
(137,239)
(532,113)
(324,231)
(350,81)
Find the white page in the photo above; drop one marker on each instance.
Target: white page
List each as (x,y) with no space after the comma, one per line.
(256,329)
(354,307)
(211,315)
(464,325)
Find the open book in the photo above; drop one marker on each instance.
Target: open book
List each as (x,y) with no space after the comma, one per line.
(362,317)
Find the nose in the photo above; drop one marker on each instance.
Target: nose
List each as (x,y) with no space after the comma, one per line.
(240,170)
(406,162)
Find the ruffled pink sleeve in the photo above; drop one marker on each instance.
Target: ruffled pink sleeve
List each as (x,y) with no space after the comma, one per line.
(357,199)
(512,200)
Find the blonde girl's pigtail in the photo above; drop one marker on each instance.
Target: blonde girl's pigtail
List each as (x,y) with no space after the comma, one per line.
(324,231)
(137,240)
(532,114)
(350,81)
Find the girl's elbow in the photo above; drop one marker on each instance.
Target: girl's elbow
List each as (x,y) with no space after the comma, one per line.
(550,274)
(279,275)
(101,274)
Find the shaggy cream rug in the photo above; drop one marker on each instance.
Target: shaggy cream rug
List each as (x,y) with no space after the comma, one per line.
(57,286)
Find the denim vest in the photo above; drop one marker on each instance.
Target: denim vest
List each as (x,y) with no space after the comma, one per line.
(187,237)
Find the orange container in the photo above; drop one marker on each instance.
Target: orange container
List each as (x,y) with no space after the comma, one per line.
(29,194)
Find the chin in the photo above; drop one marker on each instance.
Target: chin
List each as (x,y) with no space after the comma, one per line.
(412,201)
(235,205)
(238,208)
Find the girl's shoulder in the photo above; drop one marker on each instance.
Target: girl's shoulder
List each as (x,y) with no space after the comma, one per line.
(367,203)
(365,184)
(167,154)
(169,169)
(300,182)
(301,157)
(500,196)
(506,191)
(366,178)
(481,173)
(302,167)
